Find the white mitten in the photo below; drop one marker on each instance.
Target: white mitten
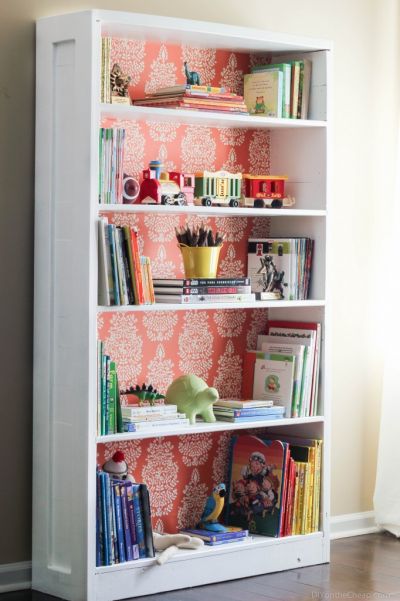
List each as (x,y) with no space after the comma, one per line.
(169,544)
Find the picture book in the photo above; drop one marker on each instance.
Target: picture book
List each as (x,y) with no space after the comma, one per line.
(286,69)
(274,378)
(269,266)
(263,93)
(256,484)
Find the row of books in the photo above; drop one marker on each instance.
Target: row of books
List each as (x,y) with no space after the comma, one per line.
(124,275)
(144,419)
(285,367)
(195,97)
(239,411)
(274,485)
(123,521)
(280,268)
(109,419)
(279,90)
(111,164)
(206,290)
(105,88)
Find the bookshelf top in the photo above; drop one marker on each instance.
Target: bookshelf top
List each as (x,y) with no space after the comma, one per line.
(200,33)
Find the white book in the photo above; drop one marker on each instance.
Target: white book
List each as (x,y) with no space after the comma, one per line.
(119,242)
(133,419)
(204,298)
(273,380)
(242,404)
(275,344)
(146,426)
(133,410)
(104,264)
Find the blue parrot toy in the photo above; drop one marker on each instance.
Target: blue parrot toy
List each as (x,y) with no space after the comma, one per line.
(212,510)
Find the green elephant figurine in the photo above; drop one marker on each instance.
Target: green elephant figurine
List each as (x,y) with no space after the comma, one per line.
(192,397)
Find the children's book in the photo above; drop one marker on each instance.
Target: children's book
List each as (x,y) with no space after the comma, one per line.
(231,533)
(256,484)
(270,266)
(274,378)
(286,69)
(263,93)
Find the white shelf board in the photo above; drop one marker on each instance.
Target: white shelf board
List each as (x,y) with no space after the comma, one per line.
(253,542)
(202,427)
(208,211)
(208,118)
(211,306)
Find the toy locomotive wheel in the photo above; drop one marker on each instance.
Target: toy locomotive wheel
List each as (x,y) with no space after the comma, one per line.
(233,202)
(166,199)
(206,202)
(259,203)
(180,199)
(276,203)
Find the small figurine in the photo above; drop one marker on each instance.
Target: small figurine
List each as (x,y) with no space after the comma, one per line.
(166,187)
(212,510)
(192,397)
(117,467)
(192,77)
(119,83)
(144,395)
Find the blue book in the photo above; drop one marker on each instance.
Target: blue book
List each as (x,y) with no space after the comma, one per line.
(250,412)
(138,520)
(99,528)
(119,522)
(213,537)
(105,518)
(131,514)
(256,418)
(125,521)
(114,265)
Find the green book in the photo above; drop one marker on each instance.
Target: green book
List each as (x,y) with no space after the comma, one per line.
(112,404)
(286,70)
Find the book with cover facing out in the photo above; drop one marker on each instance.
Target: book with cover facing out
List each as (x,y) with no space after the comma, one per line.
(274,378)
(263,93)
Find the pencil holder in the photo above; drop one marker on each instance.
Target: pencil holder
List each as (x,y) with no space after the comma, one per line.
(200,261)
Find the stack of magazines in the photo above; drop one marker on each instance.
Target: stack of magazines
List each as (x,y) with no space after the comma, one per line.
(199,98)
(211,290)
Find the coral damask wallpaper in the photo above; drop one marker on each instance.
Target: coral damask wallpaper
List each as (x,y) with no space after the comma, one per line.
(156,347)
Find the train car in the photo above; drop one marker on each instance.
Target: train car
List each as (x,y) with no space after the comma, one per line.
(217,188)
(166,188)
(265,191)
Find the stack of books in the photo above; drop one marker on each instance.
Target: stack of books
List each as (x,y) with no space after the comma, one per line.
(124,275)
(111,164)
(285,367)
(280,268)
(199,98)
(144,419)
(232,535)
(238,411)
(108,402)
(123,521)
(275,485)
(281,89)
(211,290)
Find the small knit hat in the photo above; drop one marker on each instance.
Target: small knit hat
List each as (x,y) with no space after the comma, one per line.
(116,465)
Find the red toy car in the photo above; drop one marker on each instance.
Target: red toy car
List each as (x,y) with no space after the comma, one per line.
(265,191)
(166,188)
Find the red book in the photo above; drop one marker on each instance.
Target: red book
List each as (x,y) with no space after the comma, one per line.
(249,361)
(284,492)
(138,269)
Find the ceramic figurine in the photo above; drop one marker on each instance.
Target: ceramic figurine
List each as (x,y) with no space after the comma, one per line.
(212,510)
(192,397)
(192,77)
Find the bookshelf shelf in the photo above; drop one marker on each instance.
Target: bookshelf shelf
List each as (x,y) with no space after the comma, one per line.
(141,113)
(202,427)
(67,316)
(214,212)
(212,306)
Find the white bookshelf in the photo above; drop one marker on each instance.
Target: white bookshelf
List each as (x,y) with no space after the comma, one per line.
(65,439)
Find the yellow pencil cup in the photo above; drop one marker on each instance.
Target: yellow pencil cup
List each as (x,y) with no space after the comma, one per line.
(200,261)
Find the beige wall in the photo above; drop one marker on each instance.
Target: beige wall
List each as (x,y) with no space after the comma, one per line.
(364,59)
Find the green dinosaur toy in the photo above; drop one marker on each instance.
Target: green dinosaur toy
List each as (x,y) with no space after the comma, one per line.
(192,397)
(192,77)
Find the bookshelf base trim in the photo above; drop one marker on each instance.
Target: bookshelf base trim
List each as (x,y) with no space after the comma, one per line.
(262,555)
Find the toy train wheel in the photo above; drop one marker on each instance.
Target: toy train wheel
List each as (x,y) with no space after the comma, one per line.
(206,202)
(180,199)
(233,202)
(166,199)
(259,203)
(276,203)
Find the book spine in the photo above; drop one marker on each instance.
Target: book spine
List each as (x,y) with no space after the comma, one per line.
(107,397)
(136,411)
(99,384)
(138,520)
(310,490)
(138,270)
(150,280)
(306,497)
(104,519)
(112,392)
(114,266)
(205,290)
(128,241)
(317,485)
(208,298)
(216,536)
(125,521)
(131,515)
(148,530)
(121,266)
(110,542)
(99,523)
(119,523)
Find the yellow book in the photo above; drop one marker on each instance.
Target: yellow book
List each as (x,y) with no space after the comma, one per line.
(317,485)
(306,497)
(300,503)
(310,494)
(295,501)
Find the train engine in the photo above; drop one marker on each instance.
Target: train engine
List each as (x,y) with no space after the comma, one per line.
(265,191)
(166,188)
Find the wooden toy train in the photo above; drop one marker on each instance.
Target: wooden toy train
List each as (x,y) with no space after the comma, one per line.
(209,188)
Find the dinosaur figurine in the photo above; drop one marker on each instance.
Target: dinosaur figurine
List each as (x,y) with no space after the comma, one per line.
(193,397)
(192,77)
(212,510)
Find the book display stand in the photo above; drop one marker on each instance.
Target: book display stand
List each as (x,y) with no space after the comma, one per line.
(156,343)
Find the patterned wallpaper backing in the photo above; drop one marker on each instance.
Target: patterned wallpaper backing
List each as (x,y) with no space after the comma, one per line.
(157,347)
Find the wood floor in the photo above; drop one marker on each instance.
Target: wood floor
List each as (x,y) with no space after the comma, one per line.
(363,567)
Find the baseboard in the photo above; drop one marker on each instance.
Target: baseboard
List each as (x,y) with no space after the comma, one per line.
(15,576)
(353,524)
